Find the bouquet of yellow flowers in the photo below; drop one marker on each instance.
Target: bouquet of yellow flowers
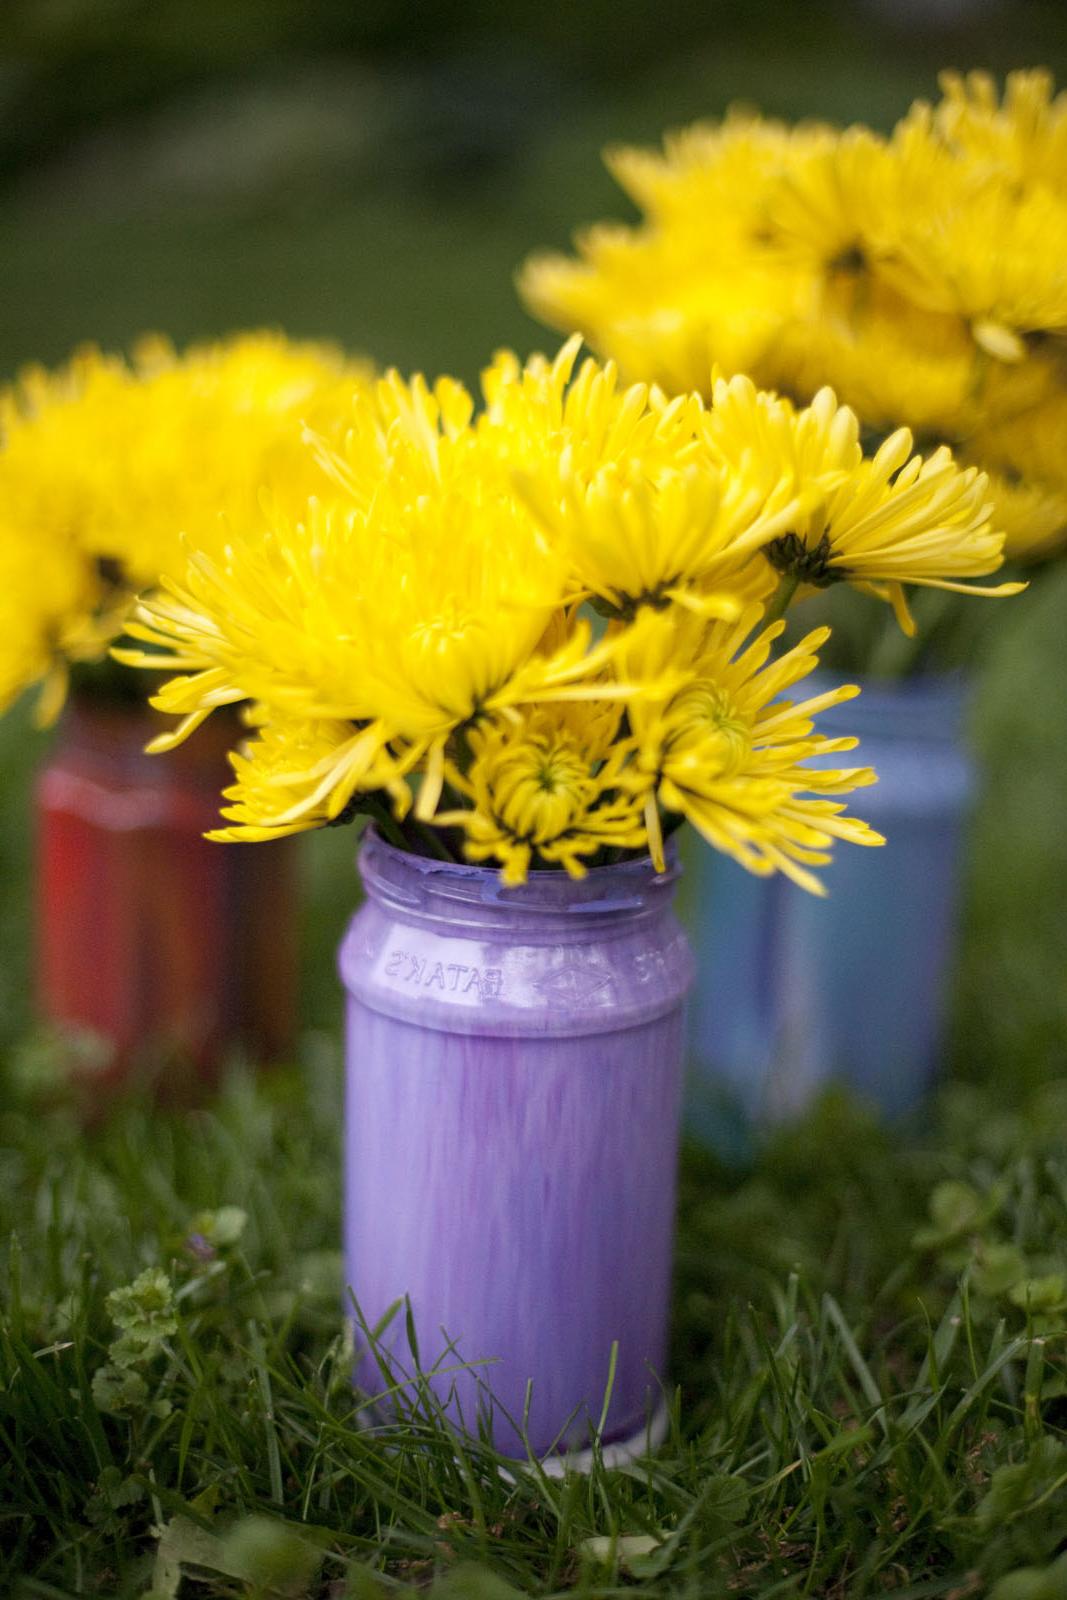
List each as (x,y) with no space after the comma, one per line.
(921,275)
(541,633)
(110,470)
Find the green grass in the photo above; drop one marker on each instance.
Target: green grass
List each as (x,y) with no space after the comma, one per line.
(867,1378)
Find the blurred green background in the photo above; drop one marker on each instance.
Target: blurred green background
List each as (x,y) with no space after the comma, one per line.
(375,173)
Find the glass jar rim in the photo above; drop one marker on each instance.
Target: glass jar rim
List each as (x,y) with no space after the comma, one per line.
(402,878)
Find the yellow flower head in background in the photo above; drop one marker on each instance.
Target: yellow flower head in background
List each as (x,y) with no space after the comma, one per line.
(827,201)
(58,601)
(907,273)
(1026,452)
(890,360)
(695,285)
(987,253)
(727,753)
(217,427)
(1024,134)
(1032,514)
(55,608)
(106,467)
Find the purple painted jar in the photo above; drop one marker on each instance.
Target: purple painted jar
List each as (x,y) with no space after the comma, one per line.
(514,1086)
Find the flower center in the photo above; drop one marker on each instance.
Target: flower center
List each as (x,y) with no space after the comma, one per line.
(706,719)
(541,789)
(625,610)
(849,262)
(789,555)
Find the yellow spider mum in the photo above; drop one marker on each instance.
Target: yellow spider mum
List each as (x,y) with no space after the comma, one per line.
(703,170)
(403,620)
(279,773)
(545,788)
(55,608)
(215,427)
(889,360)
(990,255)
(728,754)
(1024,446)
(1032,514)
(877,522)
(696,285)
(825,203)
(1025,134)
(624,485)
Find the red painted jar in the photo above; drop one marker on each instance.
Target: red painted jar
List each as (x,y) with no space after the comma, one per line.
(174,950)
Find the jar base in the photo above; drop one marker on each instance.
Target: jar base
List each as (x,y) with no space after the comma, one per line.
(619,1454)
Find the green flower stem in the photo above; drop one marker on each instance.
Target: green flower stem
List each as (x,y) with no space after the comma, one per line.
(385,822)
(896,655)
(784,593)
(435,845)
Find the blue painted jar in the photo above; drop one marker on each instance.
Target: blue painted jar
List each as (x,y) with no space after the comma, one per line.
(794,992)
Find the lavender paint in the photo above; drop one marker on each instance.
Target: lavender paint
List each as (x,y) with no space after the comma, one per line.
(514,1082)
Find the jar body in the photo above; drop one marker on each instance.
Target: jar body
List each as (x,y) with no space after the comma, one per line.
(794,991)
(174,950)
(513,1099)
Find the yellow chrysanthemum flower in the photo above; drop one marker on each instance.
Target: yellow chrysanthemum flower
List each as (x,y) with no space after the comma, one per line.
(696,285)
(702,170)
(105,466)
(1033,516)
(279,777)
(877,522)
(1028,441)
(55,609)
(545,788)
(727,753)
(889,361)
(403,621)
(217,426)
(665,323)
(990,255)
(981,227)
(825,203)
(1025,134)
(624,484)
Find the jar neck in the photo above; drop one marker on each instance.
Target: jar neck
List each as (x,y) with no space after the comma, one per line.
(423,890)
